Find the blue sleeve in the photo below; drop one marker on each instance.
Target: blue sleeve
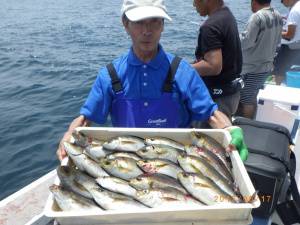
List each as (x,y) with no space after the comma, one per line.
(195,93)
(97,105)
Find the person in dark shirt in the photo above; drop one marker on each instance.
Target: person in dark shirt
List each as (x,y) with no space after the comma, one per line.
(219,54)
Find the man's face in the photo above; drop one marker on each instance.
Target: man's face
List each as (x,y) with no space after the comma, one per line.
(253,6)
(145,34)
(201,7)
(286,3)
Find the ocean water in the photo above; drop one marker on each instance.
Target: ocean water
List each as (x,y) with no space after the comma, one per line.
(50,54)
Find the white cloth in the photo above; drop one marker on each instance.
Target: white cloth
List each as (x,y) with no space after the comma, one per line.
(294,19)
(137,10)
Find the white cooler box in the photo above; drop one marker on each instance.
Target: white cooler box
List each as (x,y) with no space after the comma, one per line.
(229,214)
(280,105)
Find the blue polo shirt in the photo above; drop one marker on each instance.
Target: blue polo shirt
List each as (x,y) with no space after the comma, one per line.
(142,80)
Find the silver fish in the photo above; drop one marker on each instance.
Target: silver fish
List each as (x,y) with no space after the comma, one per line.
(118,185)
(194,164)
(147,181)
(67,176)
(123,154)
(96,152)
(111,200)
(203,189)
(159,166)
(75,152)
(84,140)
(83,162)
(73,149)
(211,158)
(164,141)
(114,201)
(160,152)
(121,167)
(124,143)
(166,198)
(202,140)
(69,201)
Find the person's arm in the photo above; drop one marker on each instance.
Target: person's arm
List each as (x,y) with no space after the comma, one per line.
(211,64)
(219,120)
(289,33)
(292,22)
(80,121)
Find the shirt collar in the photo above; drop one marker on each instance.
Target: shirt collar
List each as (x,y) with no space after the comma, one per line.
(267,8)
(154,63)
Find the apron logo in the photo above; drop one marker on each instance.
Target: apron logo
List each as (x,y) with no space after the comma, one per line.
(157,122)
(217,91)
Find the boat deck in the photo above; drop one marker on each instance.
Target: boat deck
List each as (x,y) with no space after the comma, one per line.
(26,206)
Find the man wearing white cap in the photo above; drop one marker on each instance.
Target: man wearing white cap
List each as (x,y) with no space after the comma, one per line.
(147,87)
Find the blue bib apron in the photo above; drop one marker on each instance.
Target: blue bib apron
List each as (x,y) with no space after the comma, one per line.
(161,113)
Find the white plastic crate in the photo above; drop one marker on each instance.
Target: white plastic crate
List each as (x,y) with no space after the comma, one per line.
(279,104)
(219,214)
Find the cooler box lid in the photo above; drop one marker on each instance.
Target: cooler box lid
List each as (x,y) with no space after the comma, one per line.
(280,94)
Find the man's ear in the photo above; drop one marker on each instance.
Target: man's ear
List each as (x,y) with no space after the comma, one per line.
(125,22)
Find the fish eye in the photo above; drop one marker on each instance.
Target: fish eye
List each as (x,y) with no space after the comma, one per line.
(144,150)
(107,163)
(138,178)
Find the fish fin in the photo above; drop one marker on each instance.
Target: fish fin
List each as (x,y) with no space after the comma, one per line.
(196,169)
(202,185)
(161,165)
(127,142)
(125,170)
(170,199)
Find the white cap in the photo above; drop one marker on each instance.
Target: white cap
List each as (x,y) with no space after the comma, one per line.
(136,10)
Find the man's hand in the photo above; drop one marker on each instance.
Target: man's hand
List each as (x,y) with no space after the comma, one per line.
(61,152)
(237,140)
(78,122)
